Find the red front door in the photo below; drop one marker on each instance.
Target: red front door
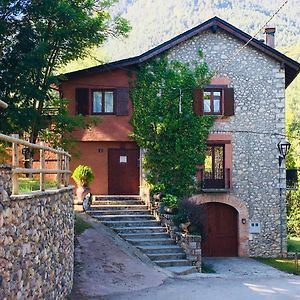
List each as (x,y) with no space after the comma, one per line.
(123,171)
(220,236)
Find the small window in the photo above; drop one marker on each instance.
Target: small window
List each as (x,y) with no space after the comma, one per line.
(103,102)
(212,102)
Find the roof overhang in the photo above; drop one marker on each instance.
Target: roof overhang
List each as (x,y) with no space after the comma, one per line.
(292,68)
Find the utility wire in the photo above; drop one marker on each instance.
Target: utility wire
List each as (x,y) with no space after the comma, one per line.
(249,41)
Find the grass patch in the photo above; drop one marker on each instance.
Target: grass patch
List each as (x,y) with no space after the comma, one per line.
(29,185)
(283,264)
(293,244)
(207,268)
(80,225)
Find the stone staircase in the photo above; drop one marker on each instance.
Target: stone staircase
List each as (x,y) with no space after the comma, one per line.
(131,219)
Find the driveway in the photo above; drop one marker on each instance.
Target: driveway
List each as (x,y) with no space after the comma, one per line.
(108,268)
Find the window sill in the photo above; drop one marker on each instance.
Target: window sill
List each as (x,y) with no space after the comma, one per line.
(215,190)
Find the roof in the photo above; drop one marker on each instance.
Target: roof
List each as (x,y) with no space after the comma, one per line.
(292,68)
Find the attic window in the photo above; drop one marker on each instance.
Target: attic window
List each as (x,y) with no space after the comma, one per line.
(212,102)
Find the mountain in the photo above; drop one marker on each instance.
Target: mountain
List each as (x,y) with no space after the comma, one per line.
(156,21)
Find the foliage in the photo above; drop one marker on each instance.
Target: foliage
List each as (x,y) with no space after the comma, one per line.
(179,218)
(284,264)
(293,212)
(83,175)
(293,244)
(37,37)
(80,225)
(174,140)
(170,201)
(29,185)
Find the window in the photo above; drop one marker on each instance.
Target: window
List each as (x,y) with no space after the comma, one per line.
(212,102)
(103,102)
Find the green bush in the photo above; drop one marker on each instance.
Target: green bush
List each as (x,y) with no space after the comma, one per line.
(170,201)
(83,175)
(293,212)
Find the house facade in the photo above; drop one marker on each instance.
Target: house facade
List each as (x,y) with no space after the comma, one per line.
(240,177)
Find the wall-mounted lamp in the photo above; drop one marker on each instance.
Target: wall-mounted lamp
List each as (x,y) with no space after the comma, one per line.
(243,221)
(283,147)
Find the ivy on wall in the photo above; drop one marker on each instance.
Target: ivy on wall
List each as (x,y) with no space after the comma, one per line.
(174,138)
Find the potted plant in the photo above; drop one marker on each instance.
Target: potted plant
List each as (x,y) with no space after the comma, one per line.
(83,176)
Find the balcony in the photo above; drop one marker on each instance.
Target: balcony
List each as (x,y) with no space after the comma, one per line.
(214,181)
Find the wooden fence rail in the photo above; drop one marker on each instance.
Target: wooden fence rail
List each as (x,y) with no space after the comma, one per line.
(62,170)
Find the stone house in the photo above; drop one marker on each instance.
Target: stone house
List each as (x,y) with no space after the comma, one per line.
(240,181)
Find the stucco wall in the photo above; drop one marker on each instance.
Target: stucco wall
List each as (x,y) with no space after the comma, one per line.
(256,128)
(36,243)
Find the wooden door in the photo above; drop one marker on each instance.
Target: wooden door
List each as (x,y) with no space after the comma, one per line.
(220,236)
(123,171)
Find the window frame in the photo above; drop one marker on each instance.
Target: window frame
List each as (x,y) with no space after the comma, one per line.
(212,90)
(103,91)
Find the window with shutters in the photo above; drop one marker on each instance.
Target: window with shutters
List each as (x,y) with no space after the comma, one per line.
(102,102)
(214,100)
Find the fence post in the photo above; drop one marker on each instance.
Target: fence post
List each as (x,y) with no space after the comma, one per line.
(58,167)
(15,164)
(42,167)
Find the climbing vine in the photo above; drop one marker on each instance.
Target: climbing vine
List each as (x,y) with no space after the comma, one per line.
(174,138)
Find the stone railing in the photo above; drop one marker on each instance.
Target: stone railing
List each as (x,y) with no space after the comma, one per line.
(191,244)
(36,242)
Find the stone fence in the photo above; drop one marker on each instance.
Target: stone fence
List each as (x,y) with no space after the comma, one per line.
(36,242)
(191,244)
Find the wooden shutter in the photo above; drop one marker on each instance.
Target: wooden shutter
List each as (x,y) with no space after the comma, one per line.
(198,101)
(82,101)
(228,101)
(122,101)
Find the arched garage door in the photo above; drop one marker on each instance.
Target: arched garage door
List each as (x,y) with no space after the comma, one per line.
(220,236)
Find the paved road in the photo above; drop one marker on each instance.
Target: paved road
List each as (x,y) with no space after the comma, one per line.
(214,288)
(108,268)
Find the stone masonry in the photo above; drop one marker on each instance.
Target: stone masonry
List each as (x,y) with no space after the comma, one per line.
(256,128)
(36,242)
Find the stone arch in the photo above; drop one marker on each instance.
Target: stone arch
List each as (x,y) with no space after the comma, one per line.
(243,216)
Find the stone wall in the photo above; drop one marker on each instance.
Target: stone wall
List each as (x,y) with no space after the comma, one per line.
(36,243)
(256,128)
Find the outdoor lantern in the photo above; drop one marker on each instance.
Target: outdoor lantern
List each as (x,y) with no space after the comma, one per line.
(283,147)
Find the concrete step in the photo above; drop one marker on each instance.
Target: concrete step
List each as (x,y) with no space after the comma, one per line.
(183,270)
(117,202)
(166,256)
(173,263)
(123,217)
(119,207)
(140,229)
(148,249)
(119,212)
(144,235)
(116,197)
(152,241)
(129,224)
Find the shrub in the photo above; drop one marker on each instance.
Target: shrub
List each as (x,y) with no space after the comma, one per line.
(170,201)
(83,175)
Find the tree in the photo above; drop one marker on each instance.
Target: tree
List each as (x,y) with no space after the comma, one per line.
(38,37)
(174,138)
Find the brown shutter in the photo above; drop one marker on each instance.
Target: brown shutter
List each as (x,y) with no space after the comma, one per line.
(122,101)
(82,101)
(228,101)
(198,101)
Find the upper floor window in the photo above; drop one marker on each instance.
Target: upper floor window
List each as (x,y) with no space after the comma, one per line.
(103,102)
(214,100)
(97,101)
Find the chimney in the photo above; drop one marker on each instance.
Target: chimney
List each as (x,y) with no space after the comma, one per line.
(270,35)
